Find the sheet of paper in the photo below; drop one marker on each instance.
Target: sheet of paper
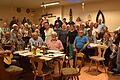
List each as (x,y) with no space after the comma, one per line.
(20,52)
(54,51)
(45,58)
(26,54)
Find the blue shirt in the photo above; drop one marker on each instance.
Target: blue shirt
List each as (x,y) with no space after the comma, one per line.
(80,41)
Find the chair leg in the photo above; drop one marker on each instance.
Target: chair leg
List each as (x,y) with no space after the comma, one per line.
(51,77)
(104,66)
(35,77)
(77,78)
(67,78)
(43,78)
(72,77)
(96,65)
(59,66)
(62,77)
(90,65)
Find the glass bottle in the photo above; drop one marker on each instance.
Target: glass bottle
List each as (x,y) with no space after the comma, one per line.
(34,50)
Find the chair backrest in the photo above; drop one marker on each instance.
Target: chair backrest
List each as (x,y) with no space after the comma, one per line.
(66,63)
(101,50)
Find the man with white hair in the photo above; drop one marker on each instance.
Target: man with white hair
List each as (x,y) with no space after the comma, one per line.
(80,41)
(35,40)
(54,43)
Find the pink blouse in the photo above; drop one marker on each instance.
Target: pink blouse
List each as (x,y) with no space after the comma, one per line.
(54,45)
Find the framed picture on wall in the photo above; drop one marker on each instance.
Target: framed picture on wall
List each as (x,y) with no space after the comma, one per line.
(28,10)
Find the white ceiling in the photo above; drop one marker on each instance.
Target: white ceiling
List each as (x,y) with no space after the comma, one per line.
(31,3)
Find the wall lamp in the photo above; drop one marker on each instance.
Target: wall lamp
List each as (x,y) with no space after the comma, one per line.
(49,4)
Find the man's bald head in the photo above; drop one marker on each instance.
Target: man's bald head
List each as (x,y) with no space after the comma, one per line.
(35,35)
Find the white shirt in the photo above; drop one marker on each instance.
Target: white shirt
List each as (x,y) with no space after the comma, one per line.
(48,33)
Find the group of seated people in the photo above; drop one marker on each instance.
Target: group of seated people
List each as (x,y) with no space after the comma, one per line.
(63,36)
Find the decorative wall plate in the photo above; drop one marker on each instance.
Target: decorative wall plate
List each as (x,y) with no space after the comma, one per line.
(18,10)
(27,10)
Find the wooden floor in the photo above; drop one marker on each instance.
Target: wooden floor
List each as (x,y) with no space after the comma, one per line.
(93,75)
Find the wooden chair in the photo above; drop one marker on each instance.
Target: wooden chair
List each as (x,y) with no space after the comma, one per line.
(38,70)
(99,58)
(70,72)
(10,73)
(3,74)
(80,59)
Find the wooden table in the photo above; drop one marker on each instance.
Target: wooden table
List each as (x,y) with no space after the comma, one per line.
(95,46)
(52,55)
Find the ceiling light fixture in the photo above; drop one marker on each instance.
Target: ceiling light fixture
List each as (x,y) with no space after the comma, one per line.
(49,4)
(83,5)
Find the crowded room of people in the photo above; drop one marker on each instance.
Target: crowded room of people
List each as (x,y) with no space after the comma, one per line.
(59,40)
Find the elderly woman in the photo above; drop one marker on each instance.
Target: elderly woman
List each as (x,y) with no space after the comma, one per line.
(54,43)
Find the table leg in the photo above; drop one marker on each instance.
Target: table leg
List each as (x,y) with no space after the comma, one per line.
(39,68)
(59,66)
